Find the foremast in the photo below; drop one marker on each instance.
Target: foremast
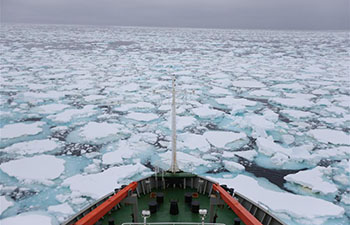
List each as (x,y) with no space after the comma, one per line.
(174,167)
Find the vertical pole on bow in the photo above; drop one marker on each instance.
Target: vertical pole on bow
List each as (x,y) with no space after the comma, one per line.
(174,168)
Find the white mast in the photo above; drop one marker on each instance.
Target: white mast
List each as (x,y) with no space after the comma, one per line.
(173,168)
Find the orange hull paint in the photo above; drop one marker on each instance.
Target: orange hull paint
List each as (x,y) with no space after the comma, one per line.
(241,212)
(106,206)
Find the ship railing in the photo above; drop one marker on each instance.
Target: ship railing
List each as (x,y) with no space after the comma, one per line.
(174,223)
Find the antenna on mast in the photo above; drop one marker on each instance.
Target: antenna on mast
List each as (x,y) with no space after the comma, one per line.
(174,167)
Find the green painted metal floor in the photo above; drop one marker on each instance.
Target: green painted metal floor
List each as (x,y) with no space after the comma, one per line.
(123,215)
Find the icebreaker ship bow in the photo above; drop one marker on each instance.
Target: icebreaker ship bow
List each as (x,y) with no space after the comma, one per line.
(174,197)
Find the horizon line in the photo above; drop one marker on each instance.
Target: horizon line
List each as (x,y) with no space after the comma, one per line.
(177,27)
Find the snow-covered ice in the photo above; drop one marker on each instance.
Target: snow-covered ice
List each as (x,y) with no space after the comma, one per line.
(220,139)
(248,83)
(61,208)
(32,147)
(330,136)
(193,142)
(233,166)
(98,132)
(20,129)
(145,117)
(314,179)
(5,203)
(100,184)
(50,108)
(39,218)
(303,209)
(41,168)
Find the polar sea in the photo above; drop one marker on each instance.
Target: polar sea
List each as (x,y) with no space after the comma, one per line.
(86,109)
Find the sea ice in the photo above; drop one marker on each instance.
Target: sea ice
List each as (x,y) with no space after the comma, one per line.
(98,132)
(268,147)
(221,138)
(70,114)
(32,147)
(314,179)
(193,141)
(248,83)
(219,91)
(297,114)
(206,112)
(145,117)
(124,150)
(41,168)
(92,98)
(259,124)
(61,208)
(181,122)
(231,101)
(186,162)
(293,86)
(262,93)
(233,166)
(139,105)
(50,108)
(129,87)
(5,204)
(330,136)
(39,218)
(100,184)
(249,155)
(293,102)
(303,209)
(16,130)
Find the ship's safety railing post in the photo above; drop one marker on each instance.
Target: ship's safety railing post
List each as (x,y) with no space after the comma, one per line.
(132,200)
(215,200)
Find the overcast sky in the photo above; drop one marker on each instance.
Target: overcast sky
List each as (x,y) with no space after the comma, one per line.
(246,14)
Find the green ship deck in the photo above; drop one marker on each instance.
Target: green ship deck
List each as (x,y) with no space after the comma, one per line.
(127,204)
(123,215)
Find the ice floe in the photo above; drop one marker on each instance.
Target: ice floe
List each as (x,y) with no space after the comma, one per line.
(95,132)
(330,136)
(41,168)
(221,139)
(181,122)
(293,102)
(145,117)
(206,112)
(69,114)
(16,130)
(50,108)
(233,166)
(63,211)
(139,105)
(100,184)
(297,114)
(314,179)
(248,83)
(193,141)
(32,147)
(39,218)
(186,162)
(5,203)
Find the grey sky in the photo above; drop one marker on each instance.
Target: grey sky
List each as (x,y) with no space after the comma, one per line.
(259,14)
